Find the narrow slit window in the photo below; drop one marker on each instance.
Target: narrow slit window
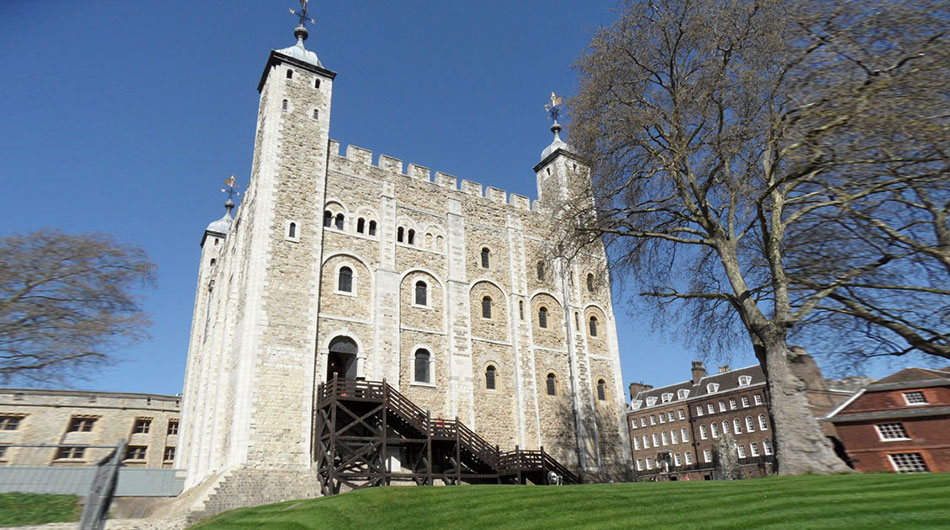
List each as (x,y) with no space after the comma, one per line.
(411,238)
(422,366)
(490,378)
(486,258)
(590,283)
(543,317)
(601,390)
(521,309)
(327,218)
(292,230)
(339,221)
(552,385)
(372,228)
(399,232)
(316,83)
(486,307)
(593,326)
(284,105)
(540,270)
(361,225)
(290,74)
(316,114)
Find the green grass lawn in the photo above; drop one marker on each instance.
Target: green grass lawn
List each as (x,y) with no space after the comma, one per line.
(21,509)
(843,501)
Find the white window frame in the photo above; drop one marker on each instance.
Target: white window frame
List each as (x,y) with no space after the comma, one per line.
(643,421)
(637,404)
(656,440)
(754,449)
(740,450)
(662,418)
(710,408)
(639,464)
(749,424)
(714,430)
(652,419)
(667,397)
(758,399)
(908,463)
(674,437)
(676,460)
(665,438)
(684,434)
(712,388)
(688,458)
(745,402)
(707,455)
(737,426)
(651,401)
(649,464)
(767,448)
(722,406)
(702,432)
(732,404)
(915,393)
(745,380)
(886,430)
(670,417)
(636,443)
(763,423)
(699,410)
(682,414)
(682,393)
(646,442)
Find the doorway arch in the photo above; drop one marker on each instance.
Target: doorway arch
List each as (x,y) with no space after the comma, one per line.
(342,358)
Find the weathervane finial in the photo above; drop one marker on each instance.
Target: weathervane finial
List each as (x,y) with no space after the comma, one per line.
(304,14)
(231,189)
(554,107)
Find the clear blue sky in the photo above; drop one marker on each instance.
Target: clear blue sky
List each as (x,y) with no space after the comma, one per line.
(126,117)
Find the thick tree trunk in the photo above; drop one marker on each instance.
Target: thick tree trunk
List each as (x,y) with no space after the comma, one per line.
(800,446)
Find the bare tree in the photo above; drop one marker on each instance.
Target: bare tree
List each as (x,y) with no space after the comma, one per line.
(767,168)
(67,302)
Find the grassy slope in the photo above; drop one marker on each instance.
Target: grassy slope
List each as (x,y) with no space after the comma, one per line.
(846,501)
(21,509)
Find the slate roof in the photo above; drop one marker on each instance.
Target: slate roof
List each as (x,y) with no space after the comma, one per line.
(727,381)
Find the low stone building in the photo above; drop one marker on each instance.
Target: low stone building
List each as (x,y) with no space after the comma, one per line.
(70,421)
(675,430)
(899,423)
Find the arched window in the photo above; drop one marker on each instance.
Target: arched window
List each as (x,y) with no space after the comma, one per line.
(399,234)
(422,293)
(521,309)
(327,218)
(543,317)
(421,371)
(429,240)
(339,221)
(439,241)
(736,426)
(590,283)
(372,228)
(213,261)
(490,377)
(601,390)
(763,422)
(292,230)
(283,105)
(552,385)
(725,427)
(344,282)
(540,270)
(593,326)
(486,307)
(361,225)
(749,424)
(290,74)
(486,258)
(411,239)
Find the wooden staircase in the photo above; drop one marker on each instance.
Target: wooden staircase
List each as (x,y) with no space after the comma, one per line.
(357,422)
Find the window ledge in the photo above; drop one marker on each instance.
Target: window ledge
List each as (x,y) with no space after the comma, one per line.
(421,383)
(417,306)
(887,440)
(345,293)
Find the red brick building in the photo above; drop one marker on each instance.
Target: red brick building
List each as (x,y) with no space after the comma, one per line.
(900,423)
(675,429)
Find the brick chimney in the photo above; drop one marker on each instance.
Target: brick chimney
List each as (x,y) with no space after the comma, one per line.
(723,368)
(636,388)
(699,371)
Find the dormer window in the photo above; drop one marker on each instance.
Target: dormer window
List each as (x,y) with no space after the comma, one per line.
(712,388)
(667,397)
(651,401)
(745,380)
(637,404)
(682,393)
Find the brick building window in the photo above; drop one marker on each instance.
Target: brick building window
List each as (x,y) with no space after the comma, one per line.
(688,457)
(707,455)
(142,426)
(763,422)
(172,427)
(699,410)
(745,380)
(676,459)
(552,385)
(722,406)
(702,432)
(714,430)
(737,426)
(710,408)
(486,258)
(490,377)
(908,463)
(136,452)
(732,404)
(684,434)
(758,399)
(712,388)
(639,464)
(601,390)
(754,449)
(421,371)
(682,393)
(543,317)
(486,307)
(169,455)
(669,415)
(749,424)
(682,414)
(674,439)
(915,398)
(740,450)
(891,431)
(10,423)
(745,401)
(652,419)
(767,446)
(646,442)
(81,424)
(636,443)
(70,453)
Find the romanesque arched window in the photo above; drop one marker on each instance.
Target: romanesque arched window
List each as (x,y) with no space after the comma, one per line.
(421,368)
(540,270)
(490,377)
(601,390)
(486,258)
(552,385)
(593,326)
(521,309)
(737,426)
(590,283)
(372,228)
(543,317)
(411,238)
(292,230)
(327,218)
(344,282)
(486,307)
(422,293)
(339,221)
(399,232)
(361,225)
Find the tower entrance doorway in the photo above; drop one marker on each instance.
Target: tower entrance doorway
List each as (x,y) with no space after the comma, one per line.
(342,359)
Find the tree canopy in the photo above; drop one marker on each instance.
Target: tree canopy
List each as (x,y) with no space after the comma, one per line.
(67,302)
(767,168)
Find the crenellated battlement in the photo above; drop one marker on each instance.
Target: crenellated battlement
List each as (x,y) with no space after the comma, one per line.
(364,157)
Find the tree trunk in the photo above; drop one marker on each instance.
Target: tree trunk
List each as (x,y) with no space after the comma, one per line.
(800,446)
